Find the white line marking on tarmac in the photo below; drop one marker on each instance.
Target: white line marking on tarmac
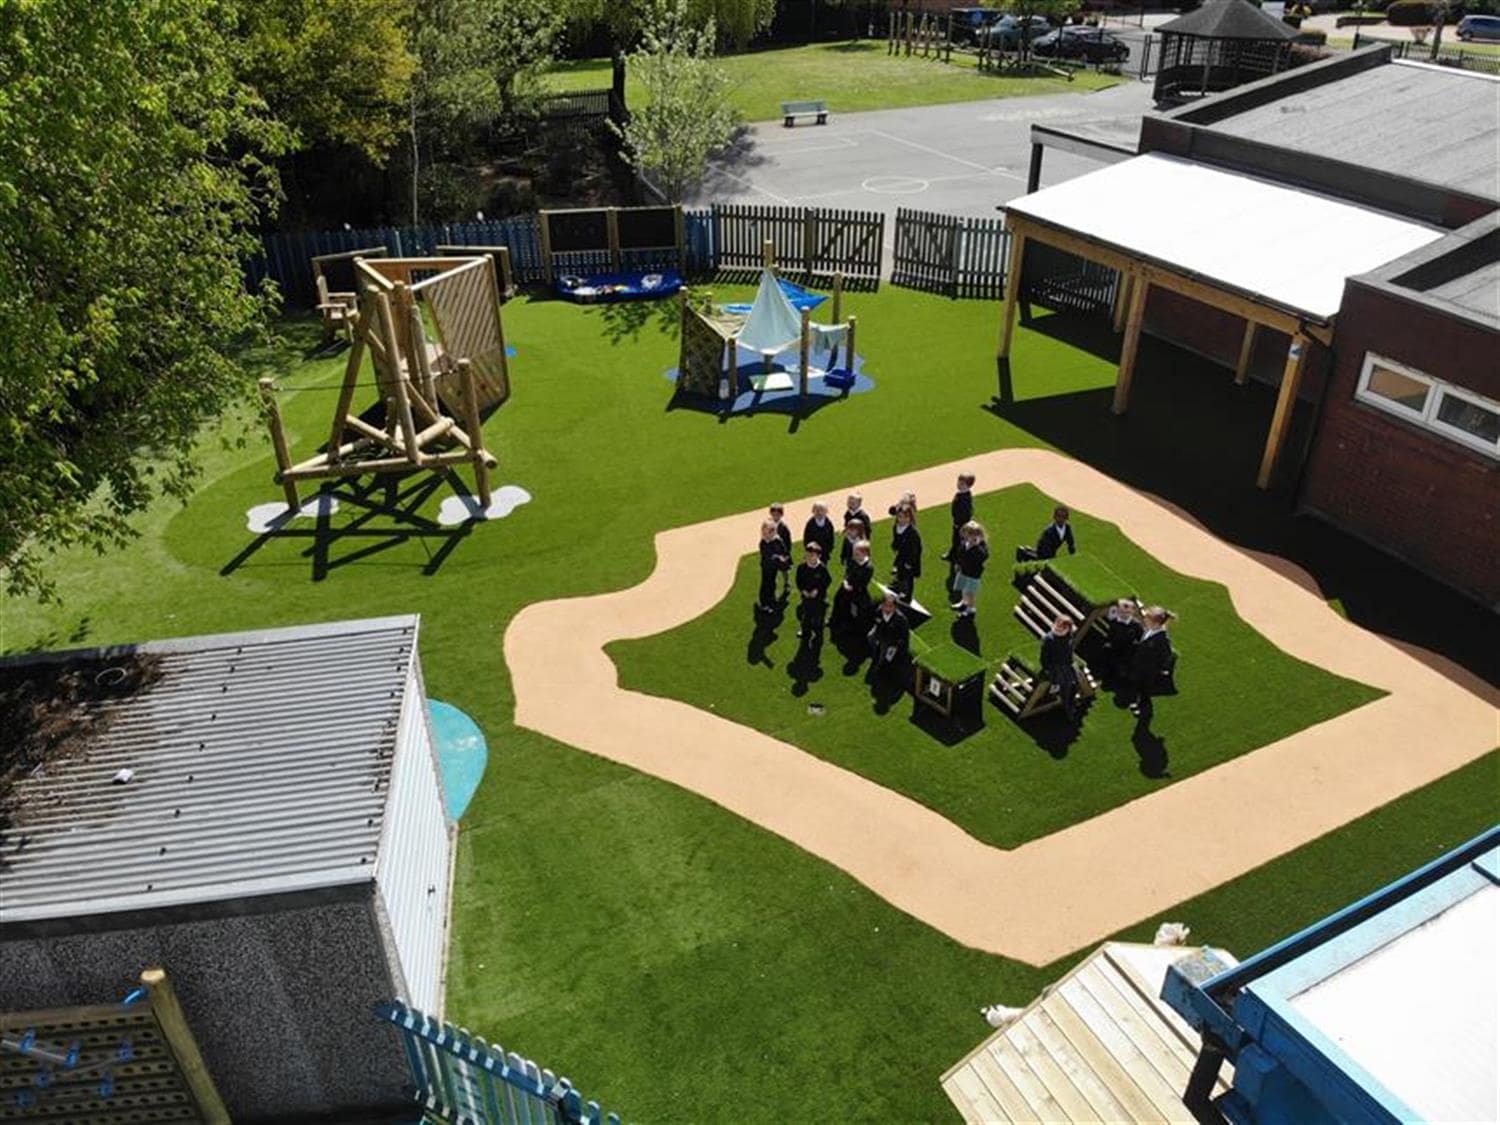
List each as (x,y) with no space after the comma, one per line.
(945,155)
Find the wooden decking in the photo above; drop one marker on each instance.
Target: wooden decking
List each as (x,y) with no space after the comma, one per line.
(1099,1045)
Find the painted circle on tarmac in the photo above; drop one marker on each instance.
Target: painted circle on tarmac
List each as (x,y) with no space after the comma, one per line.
(894,185)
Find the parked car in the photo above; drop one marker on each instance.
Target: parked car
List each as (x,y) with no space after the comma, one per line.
(1479,27)
(969,23)
(1007,32)
(1091,44)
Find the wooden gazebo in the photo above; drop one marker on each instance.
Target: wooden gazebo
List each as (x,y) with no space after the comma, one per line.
(1223,44)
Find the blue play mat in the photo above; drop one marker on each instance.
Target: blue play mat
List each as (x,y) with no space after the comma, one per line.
(784,398)
(461,754)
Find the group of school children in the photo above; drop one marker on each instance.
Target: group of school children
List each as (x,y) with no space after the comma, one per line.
(1137,652)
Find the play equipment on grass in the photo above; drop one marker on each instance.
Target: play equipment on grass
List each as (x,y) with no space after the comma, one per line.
(422,382)
(949,679)
(709,362)
(1080,588)
(337,308)
(596,254)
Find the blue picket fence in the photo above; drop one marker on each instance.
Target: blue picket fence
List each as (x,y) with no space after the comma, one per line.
(460,1079)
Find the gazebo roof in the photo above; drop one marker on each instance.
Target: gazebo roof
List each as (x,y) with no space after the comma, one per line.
(1229,19)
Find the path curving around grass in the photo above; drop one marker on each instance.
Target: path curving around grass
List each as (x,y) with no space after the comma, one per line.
(1052,895)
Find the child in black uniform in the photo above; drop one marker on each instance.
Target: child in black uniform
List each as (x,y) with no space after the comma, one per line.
(819,530)
(851,605)
(813,581)
(906,552)
(962,510)
(774,560)
(854,509)
(783,533)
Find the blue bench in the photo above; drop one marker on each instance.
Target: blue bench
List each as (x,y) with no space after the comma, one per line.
(793,110)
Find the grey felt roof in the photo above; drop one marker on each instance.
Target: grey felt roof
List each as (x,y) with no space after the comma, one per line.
(1478,291)
(1228,19)
(1439,125)
(261,764)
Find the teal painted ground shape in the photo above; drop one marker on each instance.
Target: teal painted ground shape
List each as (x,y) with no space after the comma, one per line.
(461,751)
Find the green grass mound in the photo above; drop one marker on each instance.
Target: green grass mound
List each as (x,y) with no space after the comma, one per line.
(1006,783)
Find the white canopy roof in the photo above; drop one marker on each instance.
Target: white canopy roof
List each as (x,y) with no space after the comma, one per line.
(773,323)
(1289,247)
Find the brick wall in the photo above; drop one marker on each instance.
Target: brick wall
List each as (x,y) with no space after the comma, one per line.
(1418,495)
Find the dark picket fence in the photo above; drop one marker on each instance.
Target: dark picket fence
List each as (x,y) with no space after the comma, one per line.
(806,240)
(962,257)
(1064,282)
(957,256)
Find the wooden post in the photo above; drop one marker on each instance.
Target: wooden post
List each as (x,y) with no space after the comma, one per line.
(174,1028)
(278,442)
(499,334)
(679,231)
(612,226)
(1247,349)
(1139,288)
(1012,289)
(503,255)
(1122,300)
(849,344)
(1286,401)
(544,228)
(838,296)
(768,254)
(806,348)
(476,432)
(352,365)
(397,390)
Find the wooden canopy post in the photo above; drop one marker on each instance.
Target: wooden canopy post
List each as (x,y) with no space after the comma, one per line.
(278,443)
(1286,401)
(1012,288)
(1139,288)
(806,350)
(179,1036)
(849,344)
(1247,349)
(768,254)
(1122,301)
(612,229)
(838,297)
(544,229)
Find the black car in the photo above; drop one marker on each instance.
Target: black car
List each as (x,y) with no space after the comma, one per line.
(1091,44)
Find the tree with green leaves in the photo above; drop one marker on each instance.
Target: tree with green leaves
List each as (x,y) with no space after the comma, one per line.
(133,164)
(338,72)
(686,115)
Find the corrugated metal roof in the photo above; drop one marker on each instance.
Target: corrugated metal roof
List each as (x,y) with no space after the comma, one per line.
(261,764)
(1436,124)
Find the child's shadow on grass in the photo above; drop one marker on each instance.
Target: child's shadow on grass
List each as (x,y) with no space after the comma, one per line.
(1151,749)
(886,687)
(806,667)
(761,637)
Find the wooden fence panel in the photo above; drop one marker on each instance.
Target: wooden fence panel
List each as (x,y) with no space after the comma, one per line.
(806,240)
(962,257)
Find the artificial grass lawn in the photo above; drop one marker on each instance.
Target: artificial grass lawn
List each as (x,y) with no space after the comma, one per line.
(1006,783)
(850,76)
(676,962)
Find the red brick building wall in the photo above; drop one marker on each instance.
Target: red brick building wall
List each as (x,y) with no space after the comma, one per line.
(1422,497)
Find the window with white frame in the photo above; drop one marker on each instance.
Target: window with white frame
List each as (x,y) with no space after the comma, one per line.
(1453,412)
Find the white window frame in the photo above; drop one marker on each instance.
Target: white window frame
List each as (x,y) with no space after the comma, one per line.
(1427,417)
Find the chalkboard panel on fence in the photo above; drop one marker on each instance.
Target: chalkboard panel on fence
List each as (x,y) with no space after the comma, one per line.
(577,230)
(646,227)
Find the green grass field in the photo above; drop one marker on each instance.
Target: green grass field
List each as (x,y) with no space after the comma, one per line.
(1005,784)
(674,961)
(848,76)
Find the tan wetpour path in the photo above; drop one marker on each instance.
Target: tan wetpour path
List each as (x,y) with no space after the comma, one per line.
(1052,895)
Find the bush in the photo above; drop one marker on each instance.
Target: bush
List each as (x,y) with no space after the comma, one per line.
(1409,13)
(1312,36)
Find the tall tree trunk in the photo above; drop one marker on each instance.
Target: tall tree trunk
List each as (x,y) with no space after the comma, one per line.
(414,158)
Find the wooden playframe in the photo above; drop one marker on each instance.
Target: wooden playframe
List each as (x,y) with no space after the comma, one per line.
(503,274)
(337,308)
(463,373)
(709,339)
(593,234)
